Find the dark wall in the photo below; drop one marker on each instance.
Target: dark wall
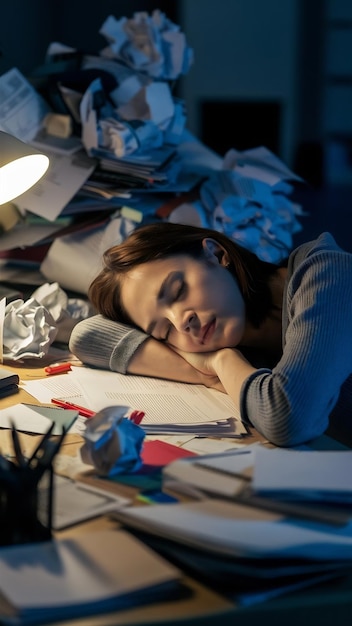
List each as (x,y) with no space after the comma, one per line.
(27,27)
(77,22)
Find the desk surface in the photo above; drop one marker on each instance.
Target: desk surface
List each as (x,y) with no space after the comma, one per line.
(330,603)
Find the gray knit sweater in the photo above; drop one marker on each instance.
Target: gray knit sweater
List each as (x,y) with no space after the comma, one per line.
(310,388)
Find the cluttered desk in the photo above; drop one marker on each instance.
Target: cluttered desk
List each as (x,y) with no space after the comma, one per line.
(209,549)
(133,500)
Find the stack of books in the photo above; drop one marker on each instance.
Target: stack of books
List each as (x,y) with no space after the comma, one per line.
(9,382)
(262,524)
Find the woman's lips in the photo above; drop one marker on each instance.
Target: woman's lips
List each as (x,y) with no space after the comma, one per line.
(207,331)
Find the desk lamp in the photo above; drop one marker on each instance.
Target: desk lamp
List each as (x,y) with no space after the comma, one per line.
(21,166)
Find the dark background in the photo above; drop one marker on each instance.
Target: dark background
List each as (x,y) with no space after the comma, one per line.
(301,110)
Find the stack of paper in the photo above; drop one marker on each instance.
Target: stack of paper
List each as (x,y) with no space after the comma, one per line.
(169,407)
(230,428)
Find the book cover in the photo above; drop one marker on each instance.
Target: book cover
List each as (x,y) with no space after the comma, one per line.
(9,382)
(8,378)
(85,575)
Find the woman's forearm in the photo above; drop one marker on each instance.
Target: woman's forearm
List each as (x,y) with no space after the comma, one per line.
(232,369)
(153,358)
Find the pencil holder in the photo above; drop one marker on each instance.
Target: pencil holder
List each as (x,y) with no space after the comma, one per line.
(25,509)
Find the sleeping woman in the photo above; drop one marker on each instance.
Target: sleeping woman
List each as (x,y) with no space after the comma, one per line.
(189,304)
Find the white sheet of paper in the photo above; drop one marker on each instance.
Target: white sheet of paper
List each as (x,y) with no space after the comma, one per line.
(33,419)
(24,235)
(302,470)
(161,400)
(65,176)
(259,163)
(75,502)
(58,386)
(22,109)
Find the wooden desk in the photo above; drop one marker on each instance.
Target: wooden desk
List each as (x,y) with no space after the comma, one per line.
(327,604)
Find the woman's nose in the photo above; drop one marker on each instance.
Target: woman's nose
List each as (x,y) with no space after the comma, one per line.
(183,320)
(186,322)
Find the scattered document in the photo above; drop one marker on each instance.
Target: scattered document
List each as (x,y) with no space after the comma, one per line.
(22,109)
(65,176)
(259,164)
(169,408)
(35,419)
(161,400)
(74,502)
(24,235)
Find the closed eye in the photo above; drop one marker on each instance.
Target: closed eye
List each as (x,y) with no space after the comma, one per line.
(166,336)
(173,288)
(181,290)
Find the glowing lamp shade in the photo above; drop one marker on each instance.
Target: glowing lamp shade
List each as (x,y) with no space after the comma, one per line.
(21,166)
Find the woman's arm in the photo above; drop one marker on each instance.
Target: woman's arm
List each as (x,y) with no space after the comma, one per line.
(293,403)
(228,365)
(102,343)
(153,358)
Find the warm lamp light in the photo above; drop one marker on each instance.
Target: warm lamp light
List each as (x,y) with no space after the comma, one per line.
(21,166)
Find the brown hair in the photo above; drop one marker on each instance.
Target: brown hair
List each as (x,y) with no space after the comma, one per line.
(163,239)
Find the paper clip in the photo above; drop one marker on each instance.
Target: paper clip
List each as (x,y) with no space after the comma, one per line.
(60,368)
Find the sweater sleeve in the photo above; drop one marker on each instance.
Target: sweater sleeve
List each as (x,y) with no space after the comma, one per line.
(103,343)
(291,404)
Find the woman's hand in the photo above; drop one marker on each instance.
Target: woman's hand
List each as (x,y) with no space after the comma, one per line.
(153,358)
(228,365)
(201,361)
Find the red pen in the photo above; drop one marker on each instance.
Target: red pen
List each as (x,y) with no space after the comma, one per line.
(70,405)
(57,369)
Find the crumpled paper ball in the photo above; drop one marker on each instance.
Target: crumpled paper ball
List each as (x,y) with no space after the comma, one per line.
(31,326)
(152,44)
(28,330)
(256,215)
(113,443)
(65,311)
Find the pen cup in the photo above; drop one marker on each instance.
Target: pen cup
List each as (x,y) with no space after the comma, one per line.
(25,505)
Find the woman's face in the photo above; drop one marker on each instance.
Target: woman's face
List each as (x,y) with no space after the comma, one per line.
(192,304)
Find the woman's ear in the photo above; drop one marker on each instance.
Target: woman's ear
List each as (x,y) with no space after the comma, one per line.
(215,252)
